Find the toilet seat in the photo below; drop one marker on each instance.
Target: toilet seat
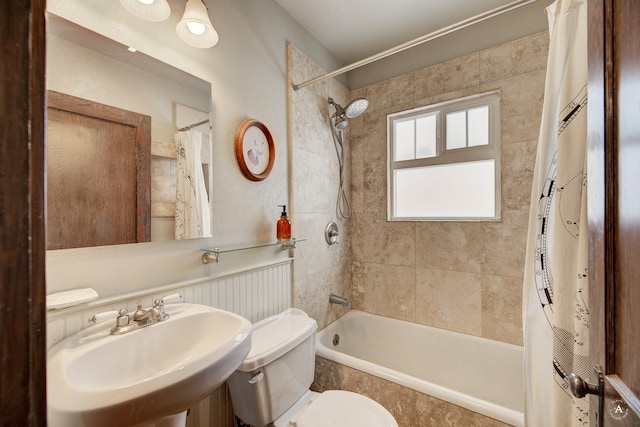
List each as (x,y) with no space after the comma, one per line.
(338,408)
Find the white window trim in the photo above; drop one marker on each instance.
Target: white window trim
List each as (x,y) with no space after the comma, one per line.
(443,156)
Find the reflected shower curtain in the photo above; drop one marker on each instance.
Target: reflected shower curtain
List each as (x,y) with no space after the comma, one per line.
(555,299)
(193,218)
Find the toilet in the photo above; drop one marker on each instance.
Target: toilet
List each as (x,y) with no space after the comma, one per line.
(271,386)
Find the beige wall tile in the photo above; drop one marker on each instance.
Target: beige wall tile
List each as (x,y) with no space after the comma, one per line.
(320,269)
(373,156)
(316,182)
(359,232)
(518,160)
(517,57)
(505,243)
(453,246)
(301,69)
(311,293)
(450,300)
(310,128)
(315,255)
(448,96)
(390,291)
(409,407)
(521,101)
(502,308)
(389,243)
(356,169)
(450,76)
(390,92)
(467,249)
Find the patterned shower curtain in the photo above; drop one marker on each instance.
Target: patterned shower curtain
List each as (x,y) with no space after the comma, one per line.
(193,217)
(555,299)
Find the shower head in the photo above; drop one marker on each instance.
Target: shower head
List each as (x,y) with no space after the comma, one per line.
(353,109)
(340,123)
(356,107)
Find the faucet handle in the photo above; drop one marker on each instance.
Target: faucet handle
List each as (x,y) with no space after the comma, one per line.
(139,313)
(159,305)
(123,318)
(101,317)
(171,298)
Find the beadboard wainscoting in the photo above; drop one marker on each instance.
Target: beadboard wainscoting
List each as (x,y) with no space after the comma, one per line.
(254,293)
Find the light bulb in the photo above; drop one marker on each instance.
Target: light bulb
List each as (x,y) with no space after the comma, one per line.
(196,28)
(151,10)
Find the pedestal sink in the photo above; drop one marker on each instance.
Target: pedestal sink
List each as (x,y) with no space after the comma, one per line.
(96,379)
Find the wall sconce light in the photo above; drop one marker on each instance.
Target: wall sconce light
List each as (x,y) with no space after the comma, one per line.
(150,10)
(194,28)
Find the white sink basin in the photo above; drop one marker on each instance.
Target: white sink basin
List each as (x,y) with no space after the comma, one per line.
(96,379)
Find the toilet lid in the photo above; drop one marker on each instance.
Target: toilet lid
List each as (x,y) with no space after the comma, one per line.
(338,408)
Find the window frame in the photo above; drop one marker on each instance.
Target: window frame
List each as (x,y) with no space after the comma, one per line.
(446,156)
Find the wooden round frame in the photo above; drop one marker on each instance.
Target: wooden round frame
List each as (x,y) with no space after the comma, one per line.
(255,150)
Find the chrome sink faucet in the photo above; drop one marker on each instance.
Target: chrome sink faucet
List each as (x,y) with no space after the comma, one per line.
(152,315)
(141,318)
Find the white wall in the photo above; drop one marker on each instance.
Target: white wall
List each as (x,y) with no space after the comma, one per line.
(247,70)
(79,71)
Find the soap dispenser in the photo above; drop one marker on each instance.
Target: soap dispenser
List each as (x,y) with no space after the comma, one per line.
(283,227)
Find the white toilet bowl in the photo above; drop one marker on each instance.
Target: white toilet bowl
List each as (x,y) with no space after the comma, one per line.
(336,408)
(272,383)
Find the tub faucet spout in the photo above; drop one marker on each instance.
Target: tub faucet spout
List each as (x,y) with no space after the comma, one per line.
(335,299)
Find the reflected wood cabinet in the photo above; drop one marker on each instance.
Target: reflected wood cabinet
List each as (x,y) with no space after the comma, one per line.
(98,174)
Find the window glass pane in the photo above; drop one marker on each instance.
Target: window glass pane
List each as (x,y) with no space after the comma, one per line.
(456,130)
(478,126)
(426,136)
(404,143)
(458,190)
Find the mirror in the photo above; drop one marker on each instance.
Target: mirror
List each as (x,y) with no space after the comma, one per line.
(91,67)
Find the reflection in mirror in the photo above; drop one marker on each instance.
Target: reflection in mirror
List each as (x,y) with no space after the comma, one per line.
(90,67)
(89,205)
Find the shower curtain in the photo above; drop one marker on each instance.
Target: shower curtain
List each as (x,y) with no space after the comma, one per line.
(193,217)
(555,298)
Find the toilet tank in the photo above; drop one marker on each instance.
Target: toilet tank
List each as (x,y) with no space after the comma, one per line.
(278,369)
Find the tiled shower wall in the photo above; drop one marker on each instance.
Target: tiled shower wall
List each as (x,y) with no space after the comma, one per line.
(254,293)
(462,276)
(320,269)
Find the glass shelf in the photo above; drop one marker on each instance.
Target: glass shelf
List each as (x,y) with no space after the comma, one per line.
(212,255)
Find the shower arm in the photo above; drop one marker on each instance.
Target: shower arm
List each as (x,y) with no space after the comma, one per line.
(339,111)
(417,41)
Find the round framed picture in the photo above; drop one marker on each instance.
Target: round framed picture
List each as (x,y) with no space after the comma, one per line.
(255,150)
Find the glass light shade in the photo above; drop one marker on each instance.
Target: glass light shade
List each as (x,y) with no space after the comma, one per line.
(150,10)
(195,27)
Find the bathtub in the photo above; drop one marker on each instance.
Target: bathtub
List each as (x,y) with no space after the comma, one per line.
(478,374)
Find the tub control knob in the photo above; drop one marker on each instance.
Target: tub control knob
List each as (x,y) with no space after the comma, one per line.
(331,233)
(257,377)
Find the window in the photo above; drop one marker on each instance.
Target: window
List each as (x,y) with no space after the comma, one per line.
(444,161)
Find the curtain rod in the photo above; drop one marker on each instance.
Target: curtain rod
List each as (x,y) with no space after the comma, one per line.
(193,125)
(415,42)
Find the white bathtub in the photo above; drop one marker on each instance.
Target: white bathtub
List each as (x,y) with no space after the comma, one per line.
(478,374)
